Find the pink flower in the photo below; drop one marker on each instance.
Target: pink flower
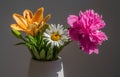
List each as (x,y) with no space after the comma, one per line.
(85,29)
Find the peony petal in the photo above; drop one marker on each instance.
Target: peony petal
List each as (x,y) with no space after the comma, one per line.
(38,15)
(74,34)
(93,51)
(72,19)
(98,37)
(20,21)
(86,30)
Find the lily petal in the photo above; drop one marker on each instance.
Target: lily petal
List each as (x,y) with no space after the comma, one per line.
(28,15)
(38,16)
(20,20)
(44,21)
(47,18)
(15,26)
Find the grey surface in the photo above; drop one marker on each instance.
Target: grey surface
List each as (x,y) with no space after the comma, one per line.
(14,61)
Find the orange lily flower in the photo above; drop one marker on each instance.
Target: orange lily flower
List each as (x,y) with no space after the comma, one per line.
(30,23)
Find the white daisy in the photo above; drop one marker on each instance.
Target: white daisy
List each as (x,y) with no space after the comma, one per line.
(56,35)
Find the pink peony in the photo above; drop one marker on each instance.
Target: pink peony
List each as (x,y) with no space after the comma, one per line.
(85,29)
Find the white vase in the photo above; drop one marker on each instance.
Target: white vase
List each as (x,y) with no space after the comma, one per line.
(46,68)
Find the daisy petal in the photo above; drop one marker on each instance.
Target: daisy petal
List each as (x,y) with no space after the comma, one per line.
(56,35)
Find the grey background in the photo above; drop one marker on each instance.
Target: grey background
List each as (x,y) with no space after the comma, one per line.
(14,61)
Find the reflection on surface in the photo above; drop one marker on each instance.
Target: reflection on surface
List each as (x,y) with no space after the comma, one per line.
(45,69)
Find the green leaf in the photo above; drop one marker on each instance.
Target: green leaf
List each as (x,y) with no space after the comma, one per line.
(21,43)
(16,33)
(42,54)
(29,45)
(49,54)
(44,28)
(35,52)
(39,39)
(31,39)
(55,51)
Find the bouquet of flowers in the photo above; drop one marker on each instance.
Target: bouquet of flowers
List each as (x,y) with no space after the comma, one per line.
(45,41)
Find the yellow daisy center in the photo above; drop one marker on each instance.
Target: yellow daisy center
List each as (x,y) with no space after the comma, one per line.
(55,36)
